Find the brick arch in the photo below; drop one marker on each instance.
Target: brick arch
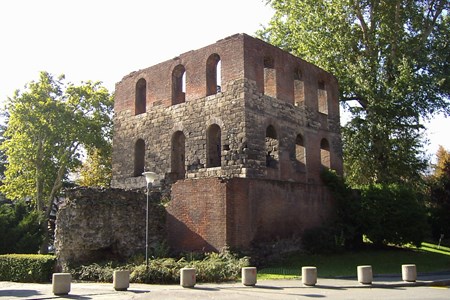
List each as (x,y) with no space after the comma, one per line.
(140,96)
(178,84)
(213,84)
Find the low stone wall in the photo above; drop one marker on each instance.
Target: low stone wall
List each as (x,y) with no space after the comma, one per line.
(102,224)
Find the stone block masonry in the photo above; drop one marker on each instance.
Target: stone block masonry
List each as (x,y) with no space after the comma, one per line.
(106,224)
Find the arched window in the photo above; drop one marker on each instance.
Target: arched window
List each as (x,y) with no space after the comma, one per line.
(139,157)
(325,153)
(272,146)
(178,155)
(214,145)
(299,88)
(213,76)
(270,78)
(178,85)
(140,101)
(322,98)
(300,150)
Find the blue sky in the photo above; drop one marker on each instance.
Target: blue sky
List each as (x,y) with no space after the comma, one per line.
(107,39)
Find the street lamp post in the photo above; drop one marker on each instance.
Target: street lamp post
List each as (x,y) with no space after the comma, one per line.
(149,178)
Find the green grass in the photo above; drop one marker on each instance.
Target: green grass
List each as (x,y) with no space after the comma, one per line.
(427,258)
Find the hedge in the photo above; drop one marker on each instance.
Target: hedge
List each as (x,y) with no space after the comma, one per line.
(27,267)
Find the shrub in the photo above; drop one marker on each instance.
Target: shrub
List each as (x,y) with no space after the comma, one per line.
(393,214)
(20,230)
(27,267)
(384,213)
(217,267)
(322,240)
(102,272)
(348,219)
(214,267)
(161,270)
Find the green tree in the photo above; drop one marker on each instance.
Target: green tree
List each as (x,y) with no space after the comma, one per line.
(393,214)
(442,166)
(391,57)
(2,153)
(20,229)
(439,202)
(96,170)
(49,122)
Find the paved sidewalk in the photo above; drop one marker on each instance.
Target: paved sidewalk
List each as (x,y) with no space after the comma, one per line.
(428,286)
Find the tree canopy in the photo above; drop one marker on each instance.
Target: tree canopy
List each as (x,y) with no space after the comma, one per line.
(96,170)
(439,194)
(48,123)
(391,58)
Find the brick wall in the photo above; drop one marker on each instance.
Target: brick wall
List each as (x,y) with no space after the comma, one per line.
(208,214)
(196,215)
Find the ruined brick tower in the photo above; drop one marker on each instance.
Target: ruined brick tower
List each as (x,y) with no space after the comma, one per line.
(242,129)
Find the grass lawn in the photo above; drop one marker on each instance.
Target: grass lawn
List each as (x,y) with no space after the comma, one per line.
(427,258)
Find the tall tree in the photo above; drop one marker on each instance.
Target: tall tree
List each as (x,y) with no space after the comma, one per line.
(49,122)
(439,195)
(391,58)
(442,167)
(96,170)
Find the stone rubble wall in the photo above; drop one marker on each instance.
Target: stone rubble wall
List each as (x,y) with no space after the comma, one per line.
(157,126)
(106,224)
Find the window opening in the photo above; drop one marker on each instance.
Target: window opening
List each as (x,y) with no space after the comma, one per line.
(325,153)
(140,102)
(300,150)
(322,98)
(178,155)
(178,85)
(213,75)
(270,78)
(139,157)
(213,140)
(299,88)
(272,146)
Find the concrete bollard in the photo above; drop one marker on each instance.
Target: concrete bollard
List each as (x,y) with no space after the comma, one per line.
(365,275)
(409,273)
(187,277)
(121,280)
(61,283)
(309,275)
(248,276)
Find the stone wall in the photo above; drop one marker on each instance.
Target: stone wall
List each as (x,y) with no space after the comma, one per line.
(157,127)
(101,224)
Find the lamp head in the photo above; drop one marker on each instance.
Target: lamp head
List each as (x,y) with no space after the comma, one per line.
(150,177)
